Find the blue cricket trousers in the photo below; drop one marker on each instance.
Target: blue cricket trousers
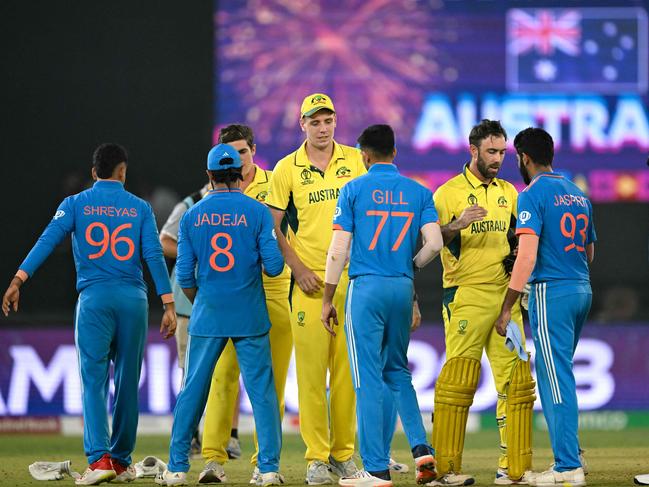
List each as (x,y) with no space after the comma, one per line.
(253,355)
(110,324)
(377,322)
(557,316)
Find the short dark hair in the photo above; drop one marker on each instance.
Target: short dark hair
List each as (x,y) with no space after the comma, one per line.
(486,128)
(377,139)
(106,158)
(227,176)
(236,131)
(537,144)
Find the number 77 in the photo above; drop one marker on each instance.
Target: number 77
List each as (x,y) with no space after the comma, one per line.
(409,215)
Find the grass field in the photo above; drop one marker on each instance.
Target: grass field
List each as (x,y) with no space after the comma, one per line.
(613,457)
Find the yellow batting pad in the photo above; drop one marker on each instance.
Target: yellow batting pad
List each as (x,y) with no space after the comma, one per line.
(454,391)
(520,402)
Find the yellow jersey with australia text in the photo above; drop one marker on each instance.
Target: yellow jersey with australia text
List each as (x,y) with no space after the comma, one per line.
(309,197)
(258,189)
(475,256)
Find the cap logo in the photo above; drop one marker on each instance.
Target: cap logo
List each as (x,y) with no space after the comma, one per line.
(318,100)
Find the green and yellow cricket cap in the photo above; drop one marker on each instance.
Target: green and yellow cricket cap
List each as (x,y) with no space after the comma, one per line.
(315,102)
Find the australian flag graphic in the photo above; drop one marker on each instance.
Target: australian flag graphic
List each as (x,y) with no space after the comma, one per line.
(599,50)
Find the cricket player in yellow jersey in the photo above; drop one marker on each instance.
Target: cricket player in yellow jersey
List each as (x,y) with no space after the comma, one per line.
(476,211)
(305,187)
(222,399)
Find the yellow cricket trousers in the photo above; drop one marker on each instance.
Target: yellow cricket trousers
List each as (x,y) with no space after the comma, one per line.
(327,424)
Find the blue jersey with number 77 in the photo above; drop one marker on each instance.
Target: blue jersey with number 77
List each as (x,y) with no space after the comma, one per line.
(384,211)
(558,212)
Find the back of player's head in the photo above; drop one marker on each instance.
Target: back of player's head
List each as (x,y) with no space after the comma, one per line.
(379,140)
(486,128)
(537,144)
(224,164)
(237,131)
(106,158)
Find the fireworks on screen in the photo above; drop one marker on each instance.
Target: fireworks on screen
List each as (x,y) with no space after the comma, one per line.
(375,58)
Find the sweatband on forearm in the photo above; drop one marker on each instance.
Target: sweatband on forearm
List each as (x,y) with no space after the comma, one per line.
(433,244)
(337,256)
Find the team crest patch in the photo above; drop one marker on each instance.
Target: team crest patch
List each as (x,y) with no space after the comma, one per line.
(343,172)
(306,177)
(472,199)
(462,326)
(261,196)
(300,318)
(502,202)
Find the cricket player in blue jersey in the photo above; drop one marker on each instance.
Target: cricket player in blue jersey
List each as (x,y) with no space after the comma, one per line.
(225,240)
(556,245)
(381,214)
(112,231)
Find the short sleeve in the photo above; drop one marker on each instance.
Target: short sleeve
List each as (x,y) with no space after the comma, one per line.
(343,214)
(279,191)
(428,212)
(529,220)
(442,206)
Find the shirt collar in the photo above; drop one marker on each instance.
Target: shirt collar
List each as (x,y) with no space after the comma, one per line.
(546,173)
(302,159)
(223,190)
(383,167)
(260,175)
(473,180)
(108,184)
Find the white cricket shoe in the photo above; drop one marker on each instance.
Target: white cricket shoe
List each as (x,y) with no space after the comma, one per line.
(502,478)
(123,474)
(271,478)
(346,468)
(426,471)
(212,473)
(256,476)
(549,478)
(171,478)
(362,478)
(234,448)
(149,467)
(452,478)
(397,467)
(98,472)
(642,479)
(317,473)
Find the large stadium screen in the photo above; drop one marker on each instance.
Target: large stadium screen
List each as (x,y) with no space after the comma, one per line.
(434,69)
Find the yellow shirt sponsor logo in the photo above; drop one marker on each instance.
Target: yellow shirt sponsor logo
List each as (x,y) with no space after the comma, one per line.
(475,256)
(309,197)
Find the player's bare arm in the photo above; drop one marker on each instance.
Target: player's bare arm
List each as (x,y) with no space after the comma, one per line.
(190,292)
(523,267)
(169,246)
(168,323)
(329,316)
(470,215)
(12,296)
(590,252)
(416,315)
(308,280)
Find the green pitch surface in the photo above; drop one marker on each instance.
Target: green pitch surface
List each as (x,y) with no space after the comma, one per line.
(613,457)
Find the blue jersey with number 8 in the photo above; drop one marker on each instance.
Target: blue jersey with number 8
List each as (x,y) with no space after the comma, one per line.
(558,212)
(223,240)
